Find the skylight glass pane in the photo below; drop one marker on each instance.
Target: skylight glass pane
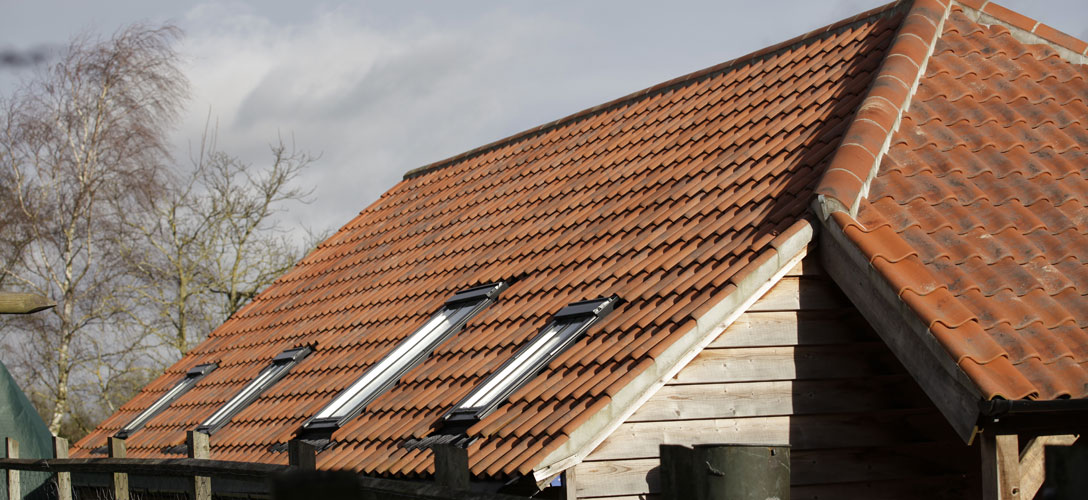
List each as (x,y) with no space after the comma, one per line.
(268,376)
(394,364)
(543,346)
(406,355)
(191,378)
(564,328)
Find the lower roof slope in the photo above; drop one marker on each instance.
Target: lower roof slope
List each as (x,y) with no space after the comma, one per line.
(978,213)
(662,198)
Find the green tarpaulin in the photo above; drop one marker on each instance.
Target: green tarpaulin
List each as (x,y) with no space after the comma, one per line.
(20,421)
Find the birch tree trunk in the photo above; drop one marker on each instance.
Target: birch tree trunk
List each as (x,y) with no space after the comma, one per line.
(82,145)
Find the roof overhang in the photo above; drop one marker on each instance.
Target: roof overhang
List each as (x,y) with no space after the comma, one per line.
(901,329)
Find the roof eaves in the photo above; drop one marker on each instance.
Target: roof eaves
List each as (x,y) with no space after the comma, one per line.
(887,9)
(1026,29)
(857,159)
(743,290)
(900,326)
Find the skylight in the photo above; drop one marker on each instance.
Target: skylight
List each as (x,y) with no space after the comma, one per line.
(405,356)
(564,328)
(281,364)
(191,378)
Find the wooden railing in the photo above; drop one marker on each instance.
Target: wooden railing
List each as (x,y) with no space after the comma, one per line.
(297,480)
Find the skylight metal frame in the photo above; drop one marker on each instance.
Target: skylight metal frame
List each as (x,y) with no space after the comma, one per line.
(566,327)
(281,364)
(408,354)
(181,387)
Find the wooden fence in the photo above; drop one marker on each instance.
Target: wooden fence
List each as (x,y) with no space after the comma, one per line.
(289,482)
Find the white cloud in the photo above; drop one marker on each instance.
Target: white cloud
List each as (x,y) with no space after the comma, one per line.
(375,101)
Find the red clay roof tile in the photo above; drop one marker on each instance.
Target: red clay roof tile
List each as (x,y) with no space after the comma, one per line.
(976,216)
(663,197)
(985,181)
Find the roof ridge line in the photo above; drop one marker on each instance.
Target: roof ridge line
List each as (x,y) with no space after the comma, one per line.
(857,159)
(660,87)
(1025,29)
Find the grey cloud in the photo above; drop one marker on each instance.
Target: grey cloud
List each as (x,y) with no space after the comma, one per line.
(11,58)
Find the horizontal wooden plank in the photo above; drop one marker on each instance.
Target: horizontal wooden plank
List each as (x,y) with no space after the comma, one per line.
(751,364)
(901,461)
(653,496)
(380,487)
(620,477)
(776,398)
(809,266)
(791,328)
(148,466)
(951,487)
(796,293)
(807,468)
(641,439)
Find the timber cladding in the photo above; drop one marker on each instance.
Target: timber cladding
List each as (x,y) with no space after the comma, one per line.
(800,367)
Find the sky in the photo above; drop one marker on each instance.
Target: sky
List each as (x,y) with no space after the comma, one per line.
(380,88)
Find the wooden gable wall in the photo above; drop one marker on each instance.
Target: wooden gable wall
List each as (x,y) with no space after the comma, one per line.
(801,367)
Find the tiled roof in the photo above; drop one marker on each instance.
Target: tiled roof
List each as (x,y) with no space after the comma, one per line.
(948,141)
(667,198)
(977,215)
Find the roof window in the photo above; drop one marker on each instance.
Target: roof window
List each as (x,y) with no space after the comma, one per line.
(407,355)
(281,364)
(191,378)
(565,327)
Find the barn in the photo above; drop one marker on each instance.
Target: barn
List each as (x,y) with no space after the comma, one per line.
(868,243)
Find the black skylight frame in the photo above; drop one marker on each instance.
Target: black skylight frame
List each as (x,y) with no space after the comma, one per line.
(566,327)
(281,364)
(417,347)
(191,378)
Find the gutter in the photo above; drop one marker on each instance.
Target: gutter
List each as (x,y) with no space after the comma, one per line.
(1051,417)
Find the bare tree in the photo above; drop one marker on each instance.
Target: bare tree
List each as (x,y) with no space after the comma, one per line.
(84,143)
(213,241)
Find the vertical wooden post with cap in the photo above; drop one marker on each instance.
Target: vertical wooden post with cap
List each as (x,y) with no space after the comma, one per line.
(116,449)
(64,479)
(201,449)
(451,466)
(11,448)
(301,454)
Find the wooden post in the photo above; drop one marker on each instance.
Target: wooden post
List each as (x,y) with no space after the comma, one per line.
(64,479)
(301,454)
(23,303)
(570,485)
(451,466)
(116,448)
(11,448)
(1000,466)
(199,448)
(1032,462)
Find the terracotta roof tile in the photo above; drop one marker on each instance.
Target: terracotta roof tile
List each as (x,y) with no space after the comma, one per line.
(665,198)
(984,190)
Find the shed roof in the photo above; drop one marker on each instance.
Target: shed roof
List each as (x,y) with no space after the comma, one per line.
(679,199)
(978,212)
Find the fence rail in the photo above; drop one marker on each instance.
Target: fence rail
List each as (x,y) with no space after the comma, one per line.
(298,480)
(148,467)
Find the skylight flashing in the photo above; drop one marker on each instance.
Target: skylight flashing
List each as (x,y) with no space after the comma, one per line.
(565,327)
(181,387)
(281,364)
(412,351)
